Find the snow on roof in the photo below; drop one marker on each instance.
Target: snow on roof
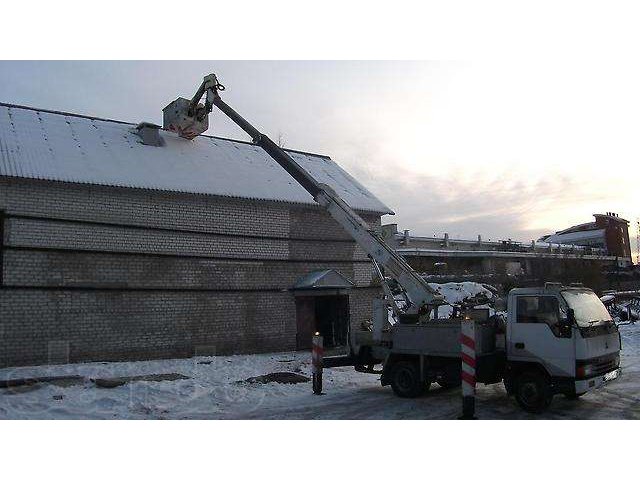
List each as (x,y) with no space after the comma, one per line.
(322,279)
(578,228)
(47,145)
(581,235)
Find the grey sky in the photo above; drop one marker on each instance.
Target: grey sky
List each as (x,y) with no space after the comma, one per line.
(506,151)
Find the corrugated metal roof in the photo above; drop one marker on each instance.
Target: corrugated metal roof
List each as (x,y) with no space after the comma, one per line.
(47,145)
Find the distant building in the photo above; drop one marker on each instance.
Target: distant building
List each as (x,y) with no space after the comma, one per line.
(455,259)
(608,232)
(120,242)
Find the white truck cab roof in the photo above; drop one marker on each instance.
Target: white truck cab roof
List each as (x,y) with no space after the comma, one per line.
(548,288)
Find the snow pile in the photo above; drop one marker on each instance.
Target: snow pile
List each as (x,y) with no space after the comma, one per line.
(607,298)
(623,306)
(456,293)
(623,310)
(630,336)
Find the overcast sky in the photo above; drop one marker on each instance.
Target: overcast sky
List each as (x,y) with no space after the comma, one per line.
(506,150)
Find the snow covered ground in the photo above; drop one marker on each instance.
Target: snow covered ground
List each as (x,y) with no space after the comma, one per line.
(215,390)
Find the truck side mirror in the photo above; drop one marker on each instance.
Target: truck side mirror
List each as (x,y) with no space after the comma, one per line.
(565,323)
(571,317)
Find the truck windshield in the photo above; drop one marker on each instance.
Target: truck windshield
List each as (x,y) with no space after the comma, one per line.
(587,307)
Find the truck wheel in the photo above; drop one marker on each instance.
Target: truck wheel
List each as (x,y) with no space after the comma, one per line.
(533,392)
(406,381)
(509,385)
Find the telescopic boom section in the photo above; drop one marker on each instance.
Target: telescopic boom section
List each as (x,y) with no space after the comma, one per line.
(421,296)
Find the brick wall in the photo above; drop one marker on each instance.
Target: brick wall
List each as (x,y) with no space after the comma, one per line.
(117,273)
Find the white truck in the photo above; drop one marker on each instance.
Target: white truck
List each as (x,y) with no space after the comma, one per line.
(554,339)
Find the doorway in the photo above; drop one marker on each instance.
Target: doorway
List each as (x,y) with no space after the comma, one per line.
(326,314)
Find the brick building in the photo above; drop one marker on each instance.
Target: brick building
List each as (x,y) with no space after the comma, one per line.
(113,249)
(609,232)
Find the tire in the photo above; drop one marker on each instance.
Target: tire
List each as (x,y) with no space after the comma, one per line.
(406,381)
(509,385)
(573,396)
(533,392)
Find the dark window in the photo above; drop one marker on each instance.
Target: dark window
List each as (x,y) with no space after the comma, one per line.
(538,309)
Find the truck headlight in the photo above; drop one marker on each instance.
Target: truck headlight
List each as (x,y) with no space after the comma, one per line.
(588,369)
(583,371)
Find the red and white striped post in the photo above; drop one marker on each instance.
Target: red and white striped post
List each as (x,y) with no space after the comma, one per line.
(468,354)
(316,362)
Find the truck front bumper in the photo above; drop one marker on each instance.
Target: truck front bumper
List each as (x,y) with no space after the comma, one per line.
(583,386)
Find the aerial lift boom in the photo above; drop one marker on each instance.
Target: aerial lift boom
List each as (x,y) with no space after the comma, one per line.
(189,119)
(572,358)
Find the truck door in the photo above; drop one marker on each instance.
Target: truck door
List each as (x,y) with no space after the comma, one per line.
(533,334)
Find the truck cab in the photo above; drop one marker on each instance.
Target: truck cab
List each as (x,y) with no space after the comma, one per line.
(558,340)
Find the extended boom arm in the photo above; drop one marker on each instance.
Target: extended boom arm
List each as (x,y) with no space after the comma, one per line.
(422,298)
